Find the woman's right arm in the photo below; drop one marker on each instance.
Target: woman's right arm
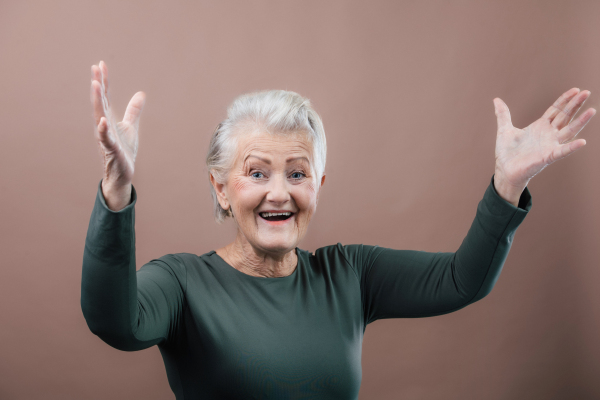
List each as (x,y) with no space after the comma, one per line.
(127,309)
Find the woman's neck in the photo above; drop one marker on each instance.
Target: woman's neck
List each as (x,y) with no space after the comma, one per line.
(242,256)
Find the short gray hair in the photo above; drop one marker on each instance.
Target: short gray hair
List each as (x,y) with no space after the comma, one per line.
(276,111)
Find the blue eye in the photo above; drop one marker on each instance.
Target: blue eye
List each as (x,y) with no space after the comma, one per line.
(303,175)
(257,177)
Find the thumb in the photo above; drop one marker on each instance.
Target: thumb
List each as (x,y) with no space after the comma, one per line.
(134,109)
(503,114)
(105,135)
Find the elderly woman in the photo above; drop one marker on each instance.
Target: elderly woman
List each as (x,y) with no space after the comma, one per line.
(259,317)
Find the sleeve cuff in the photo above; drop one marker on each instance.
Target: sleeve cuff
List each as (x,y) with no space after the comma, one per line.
(497,205)
(125,209)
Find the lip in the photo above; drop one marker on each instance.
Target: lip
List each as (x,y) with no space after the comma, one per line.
(277,223)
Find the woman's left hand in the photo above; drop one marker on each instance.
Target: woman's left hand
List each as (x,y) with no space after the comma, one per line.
(523,153)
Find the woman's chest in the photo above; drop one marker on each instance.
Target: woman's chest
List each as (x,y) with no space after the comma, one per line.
(304,338)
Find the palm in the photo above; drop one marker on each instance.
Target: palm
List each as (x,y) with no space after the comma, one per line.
(523,153)
(127,138)
(118,141)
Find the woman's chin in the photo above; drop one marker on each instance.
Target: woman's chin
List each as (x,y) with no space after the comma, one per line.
(278,247)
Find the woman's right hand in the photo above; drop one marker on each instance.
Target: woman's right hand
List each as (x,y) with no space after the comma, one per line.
(118,141)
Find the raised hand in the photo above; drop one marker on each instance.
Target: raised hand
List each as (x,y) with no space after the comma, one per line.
(118,141)
(523,153)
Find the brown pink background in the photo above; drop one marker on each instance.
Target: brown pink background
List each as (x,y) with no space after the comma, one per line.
(405,91)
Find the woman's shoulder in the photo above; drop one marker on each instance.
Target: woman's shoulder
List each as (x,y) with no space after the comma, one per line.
(353,254)
(187,259)
(345,248)
(180,262)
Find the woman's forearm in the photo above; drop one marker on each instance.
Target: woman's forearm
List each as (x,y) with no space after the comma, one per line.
(128,309)
(108,282)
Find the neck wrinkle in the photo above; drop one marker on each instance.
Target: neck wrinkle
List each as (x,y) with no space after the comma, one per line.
(243,257)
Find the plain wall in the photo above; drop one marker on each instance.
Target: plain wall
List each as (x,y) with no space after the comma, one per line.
(405,91)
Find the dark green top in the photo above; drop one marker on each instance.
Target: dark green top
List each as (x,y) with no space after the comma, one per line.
(224,334)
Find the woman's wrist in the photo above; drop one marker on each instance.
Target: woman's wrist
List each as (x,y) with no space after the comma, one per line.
(116,197)
(505,190)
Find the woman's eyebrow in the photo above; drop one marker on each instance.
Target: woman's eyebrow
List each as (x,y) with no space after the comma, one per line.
(298,158)
(269,161)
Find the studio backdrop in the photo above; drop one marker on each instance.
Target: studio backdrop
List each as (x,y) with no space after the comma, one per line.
(405,91)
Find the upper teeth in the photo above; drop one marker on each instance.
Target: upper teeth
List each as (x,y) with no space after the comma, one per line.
(266,214)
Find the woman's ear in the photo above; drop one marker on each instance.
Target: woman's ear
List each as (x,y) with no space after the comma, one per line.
(220,190)
(319,190)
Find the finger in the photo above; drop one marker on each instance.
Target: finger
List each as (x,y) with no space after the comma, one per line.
(566,149)
(96,97)
(563,118)
(96,75)
(103,79)
(134,109)
(104,72)
(571,130)
(502,114)
(560,104)
(105,135)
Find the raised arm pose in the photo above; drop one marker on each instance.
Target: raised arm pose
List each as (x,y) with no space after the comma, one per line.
(260,317)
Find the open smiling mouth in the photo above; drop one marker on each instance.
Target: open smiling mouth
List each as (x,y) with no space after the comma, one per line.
(274,217)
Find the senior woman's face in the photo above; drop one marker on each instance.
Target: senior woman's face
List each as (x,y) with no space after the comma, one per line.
(272,173)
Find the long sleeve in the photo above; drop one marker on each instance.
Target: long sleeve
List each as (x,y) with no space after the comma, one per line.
(412,284)
(129,310)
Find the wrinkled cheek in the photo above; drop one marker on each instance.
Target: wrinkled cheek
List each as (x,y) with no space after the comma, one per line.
(239,185)
(247,196)
(302,225)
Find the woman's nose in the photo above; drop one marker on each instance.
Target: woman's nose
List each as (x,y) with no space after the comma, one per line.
(278,191)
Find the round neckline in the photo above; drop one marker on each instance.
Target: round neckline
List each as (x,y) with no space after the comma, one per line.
(260,278)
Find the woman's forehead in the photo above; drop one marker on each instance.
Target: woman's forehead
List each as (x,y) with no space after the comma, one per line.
(293,146)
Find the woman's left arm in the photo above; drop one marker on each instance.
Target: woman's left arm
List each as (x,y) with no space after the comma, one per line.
(414,284)
(409,283)
(523,153)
